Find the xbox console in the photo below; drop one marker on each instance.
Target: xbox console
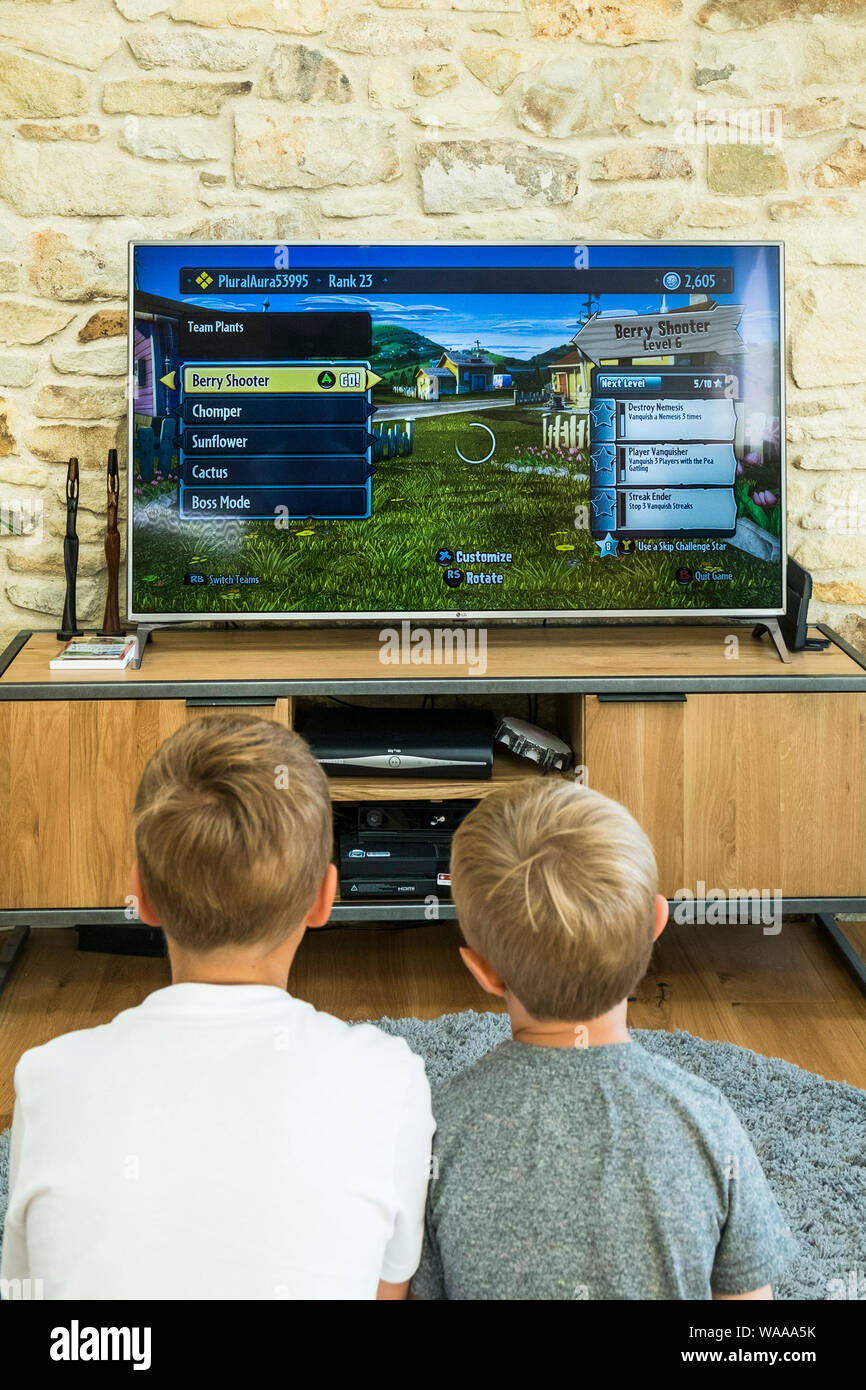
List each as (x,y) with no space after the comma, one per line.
(397,850)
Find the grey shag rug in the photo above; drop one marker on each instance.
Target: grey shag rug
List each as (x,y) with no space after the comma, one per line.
(810,1135)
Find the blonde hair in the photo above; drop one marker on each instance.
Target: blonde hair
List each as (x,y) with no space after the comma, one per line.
(555,887)
(233,832)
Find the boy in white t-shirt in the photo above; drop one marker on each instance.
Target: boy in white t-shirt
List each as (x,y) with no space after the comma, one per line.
(223,1140)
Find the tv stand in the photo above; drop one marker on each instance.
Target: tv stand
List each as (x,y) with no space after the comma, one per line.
(145,631)
(143,634)
(708,753)
(771,626)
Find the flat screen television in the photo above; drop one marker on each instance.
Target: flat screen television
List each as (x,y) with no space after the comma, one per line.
(456,430)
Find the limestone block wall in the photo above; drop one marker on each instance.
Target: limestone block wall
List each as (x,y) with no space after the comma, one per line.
(412,120)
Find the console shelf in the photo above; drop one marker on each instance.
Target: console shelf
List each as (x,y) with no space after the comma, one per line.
(745,772)
(506,768)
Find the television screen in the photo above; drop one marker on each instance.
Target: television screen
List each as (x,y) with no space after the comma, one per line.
(456,429)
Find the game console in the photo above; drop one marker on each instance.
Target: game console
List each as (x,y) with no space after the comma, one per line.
(397,850)
(355,741)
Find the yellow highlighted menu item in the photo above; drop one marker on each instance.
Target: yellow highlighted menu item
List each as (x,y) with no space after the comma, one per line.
(242,378)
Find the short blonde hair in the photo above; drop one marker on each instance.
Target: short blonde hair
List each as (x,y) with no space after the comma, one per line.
(555,887)
(233,832)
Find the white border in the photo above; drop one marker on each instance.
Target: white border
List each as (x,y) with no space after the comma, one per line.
(458,614)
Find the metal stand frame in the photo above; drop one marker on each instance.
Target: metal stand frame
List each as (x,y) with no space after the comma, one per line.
(99,925)
(851,959)
(10,952)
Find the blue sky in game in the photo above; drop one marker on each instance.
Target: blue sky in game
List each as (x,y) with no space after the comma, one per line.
(512,324)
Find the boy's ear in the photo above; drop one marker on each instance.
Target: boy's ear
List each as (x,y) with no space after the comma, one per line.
(144,909)
(484,973)
(661,916)
(321,909)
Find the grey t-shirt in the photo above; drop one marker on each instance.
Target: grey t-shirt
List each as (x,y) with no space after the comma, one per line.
(593,1173)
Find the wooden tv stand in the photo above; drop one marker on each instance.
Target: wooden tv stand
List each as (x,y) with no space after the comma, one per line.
(746,773)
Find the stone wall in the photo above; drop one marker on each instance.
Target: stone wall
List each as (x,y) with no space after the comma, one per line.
(506,119)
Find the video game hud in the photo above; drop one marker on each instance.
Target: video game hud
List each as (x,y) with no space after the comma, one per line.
(369,430)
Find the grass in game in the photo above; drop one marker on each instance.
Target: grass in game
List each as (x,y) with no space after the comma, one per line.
(427,500)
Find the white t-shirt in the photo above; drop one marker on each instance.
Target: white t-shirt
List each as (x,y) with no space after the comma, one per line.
(218,1141)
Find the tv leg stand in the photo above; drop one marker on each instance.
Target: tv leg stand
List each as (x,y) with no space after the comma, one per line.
(771,626)
(142,637)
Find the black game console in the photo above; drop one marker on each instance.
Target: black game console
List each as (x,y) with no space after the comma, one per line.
(362,742)
(395,850)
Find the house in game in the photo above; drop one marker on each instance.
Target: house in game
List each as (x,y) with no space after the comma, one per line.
(155,354)
(155,369)
(432,382)
(456,373)
(571,375)
(570,379)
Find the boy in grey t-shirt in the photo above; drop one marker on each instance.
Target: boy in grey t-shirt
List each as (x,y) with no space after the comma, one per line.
(569,1162)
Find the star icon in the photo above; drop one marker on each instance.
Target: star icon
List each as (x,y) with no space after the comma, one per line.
(606,546)
(601,413)
(602,458)
(602,504)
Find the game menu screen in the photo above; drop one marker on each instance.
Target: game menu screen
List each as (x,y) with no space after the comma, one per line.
(365,430)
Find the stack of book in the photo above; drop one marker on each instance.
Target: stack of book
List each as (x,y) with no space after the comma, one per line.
(94,654)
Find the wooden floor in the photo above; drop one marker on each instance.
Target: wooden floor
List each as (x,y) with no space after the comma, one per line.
(785,996)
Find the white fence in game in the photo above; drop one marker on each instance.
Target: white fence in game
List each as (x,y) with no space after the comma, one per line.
(564,430)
